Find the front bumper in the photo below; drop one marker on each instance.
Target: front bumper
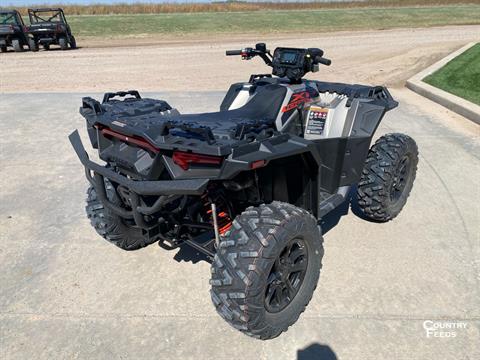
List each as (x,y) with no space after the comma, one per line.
(164,189)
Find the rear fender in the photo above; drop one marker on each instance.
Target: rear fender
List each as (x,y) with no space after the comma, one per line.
(249,156)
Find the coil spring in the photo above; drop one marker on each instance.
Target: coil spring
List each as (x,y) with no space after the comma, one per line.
(223,218)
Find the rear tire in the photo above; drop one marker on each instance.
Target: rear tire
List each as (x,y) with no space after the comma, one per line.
(33,45)
(17,46)
(3,49)
(264,274)
(387,177)
(63,43)
(73,42)
(111,226)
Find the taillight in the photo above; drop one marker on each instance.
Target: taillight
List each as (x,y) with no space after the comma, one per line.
(257,164)
(184,159)
(135,140)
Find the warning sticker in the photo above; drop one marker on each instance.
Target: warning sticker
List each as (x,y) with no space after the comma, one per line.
(317,117)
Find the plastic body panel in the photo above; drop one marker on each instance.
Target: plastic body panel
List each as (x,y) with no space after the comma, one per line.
(259,121)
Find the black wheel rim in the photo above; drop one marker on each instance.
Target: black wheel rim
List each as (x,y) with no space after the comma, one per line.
(400,178)
(286,276)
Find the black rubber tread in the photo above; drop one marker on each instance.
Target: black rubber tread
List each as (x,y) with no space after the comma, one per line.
(63,43)
(109,225)
(17,45)
(32,44)
(245,258)
(377,176)
(73,42)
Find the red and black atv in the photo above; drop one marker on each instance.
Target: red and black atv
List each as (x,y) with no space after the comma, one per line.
(249,184)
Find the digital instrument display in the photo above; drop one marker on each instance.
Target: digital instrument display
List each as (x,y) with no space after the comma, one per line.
(288,57)
(289,62)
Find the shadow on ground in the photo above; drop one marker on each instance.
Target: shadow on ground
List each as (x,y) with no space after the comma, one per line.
(41,49)
(328,222)
(188,254)
(316,351)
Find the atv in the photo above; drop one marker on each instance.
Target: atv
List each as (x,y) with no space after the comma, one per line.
(248,185)
(48,26)
(12,31)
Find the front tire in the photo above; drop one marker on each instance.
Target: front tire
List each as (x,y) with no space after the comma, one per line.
(387,177)
(111,226)
(264,274)
(3,49)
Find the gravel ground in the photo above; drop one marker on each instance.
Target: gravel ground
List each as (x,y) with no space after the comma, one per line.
(381,57)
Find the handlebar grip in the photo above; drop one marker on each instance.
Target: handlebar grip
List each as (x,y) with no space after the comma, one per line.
(233,52)
(323,61)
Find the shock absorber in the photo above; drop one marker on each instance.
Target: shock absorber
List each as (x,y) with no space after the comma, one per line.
(224,221)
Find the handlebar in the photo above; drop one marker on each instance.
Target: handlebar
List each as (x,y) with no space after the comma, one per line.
(233,52)
(323,61)
(249,53)
(292,63)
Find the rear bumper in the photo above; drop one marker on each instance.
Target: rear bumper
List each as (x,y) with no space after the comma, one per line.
(162,187)
(165,190)
(44,37)
(46,40)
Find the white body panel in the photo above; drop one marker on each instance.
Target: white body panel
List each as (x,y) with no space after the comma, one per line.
(328,117)
(242,98)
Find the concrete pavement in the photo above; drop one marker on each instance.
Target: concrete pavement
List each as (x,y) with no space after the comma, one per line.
(66,293)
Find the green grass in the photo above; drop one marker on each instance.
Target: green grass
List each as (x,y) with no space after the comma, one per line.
(461,76)
(277,21)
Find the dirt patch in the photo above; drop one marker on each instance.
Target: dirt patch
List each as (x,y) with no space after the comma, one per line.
(198,63)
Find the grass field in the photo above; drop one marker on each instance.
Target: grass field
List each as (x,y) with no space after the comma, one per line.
(274,21)
(461,76)
(229,6)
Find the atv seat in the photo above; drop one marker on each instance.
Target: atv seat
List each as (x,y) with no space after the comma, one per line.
(262,109)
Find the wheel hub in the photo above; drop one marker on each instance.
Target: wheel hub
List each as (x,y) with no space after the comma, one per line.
(400,179)
(286,276)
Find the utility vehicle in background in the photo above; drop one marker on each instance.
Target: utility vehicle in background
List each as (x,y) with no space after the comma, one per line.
(249,184)
(48,26)
(12,31)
